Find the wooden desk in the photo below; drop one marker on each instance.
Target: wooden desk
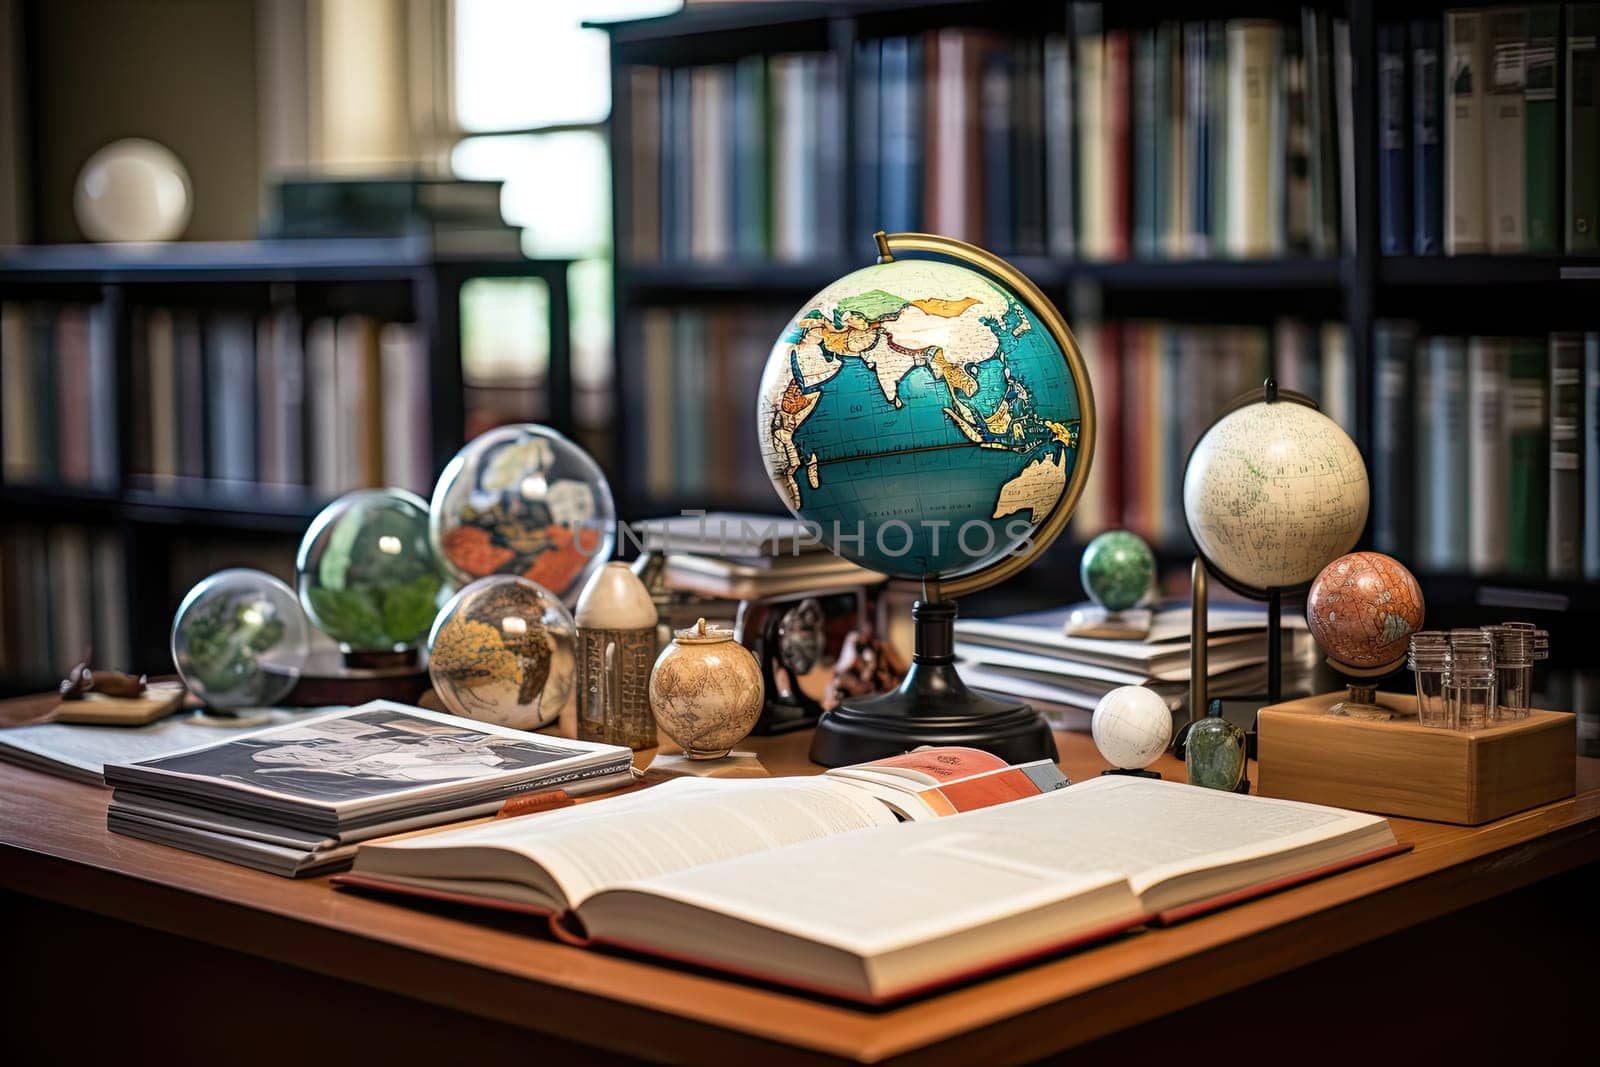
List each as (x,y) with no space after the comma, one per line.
(224,958)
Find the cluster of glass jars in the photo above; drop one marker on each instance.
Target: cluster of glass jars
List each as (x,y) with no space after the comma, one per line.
(1475,677)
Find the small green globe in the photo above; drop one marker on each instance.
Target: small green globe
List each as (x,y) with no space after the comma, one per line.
(1117,570)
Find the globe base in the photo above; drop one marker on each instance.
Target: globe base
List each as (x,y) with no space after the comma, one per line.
(932,706)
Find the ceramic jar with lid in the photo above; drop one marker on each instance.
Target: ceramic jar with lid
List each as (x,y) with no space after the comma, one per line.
(706,691)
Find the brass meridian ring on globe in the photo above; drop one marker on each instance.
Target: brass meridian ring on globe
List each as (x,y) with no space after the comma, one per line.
(1042,308)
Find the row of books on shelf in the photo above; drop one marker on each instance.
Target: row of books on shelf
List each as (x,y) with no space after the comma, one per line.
(1203,138)
(1159,385)
(690,400)
(1471,142)
(62,593)
(1486,451)
(740,160)
(331,404)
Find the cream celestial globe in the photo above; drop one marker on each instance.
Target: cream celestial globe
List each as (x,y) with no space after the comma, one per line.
(1272,492)
(1131,727)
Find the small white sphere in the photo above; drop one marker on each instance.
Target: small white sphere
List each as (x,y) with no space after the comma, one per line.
(133,190)
(1131,727)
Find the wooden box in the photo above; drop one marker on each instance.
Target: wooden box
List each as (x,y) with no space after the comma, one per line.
(1401,768)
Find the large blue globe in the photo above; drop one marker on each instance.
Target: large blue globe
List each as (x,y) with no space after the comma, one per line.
(917,412)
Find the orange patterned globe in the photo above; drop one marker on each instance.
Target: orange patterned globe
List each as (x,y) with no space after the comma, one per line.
(1363,609)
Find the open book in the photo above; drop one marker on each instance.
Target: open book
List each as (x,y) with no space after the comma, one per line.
(814,883)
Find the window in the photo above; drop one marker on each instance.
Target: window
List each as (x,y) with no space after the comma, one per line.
(532,93)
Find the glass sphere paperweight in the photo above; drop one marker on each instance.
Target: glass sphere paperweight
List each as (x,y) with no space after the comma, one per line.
(523,500)
(1118,569)
(239,640)
(502,651)
(1215,752)
(368,577)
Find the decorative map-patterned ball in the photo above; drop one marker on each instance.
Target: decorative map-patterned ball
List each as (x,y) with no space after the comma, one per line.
(1131,727)
(1117,569)
(920,414)
(1363,609)
(1273,491)
(502,651)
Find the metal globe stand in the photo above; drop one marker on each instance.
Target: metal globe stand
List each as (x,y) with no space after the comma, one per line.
(932,705)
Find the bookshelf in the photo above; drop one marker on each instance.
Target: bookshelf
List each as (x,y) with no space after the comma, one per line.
(154,523)
(1355,285)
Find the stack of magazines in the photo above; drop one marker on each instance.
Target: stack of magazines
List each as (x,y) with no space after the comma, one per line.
(1030,657)
(295,799)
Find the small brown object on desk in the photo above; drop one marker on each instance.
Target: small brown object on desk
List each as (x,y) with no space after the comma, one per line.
(1399,767)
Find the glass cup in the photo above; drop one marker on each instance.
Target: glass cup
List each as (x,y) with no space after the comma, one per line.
(1429,660)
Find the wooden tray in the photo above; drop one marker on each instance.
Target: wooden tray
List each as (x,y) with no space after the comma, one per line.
(1402,768)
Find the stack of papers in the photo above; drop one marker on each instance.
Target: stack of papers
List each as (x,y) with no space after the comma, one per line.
(1029,656)
(732,556)
(295,799)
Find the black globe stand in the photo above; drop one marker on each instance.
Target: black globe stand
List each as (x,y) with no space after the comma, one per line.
(933,706)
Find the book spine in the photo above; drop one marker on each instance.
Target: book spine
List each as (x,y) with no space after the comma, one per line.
(1295,133)
(1488,454)
(1394,163)
(828,149)
(1392,438)
(1443,517)
(1219,110)
(1344,111)
(1175,155)
(1093,188)
(900,196)
(1563,550)
(1119,143)
(868,154)
(16,386)
(1591,455)
(1254,196)
(1338,383)
(644,223)
(683,178)
(1175,385)
(1196,140)
(750,179)
(1583,128)
(1542,193)
(710,129)
(1465,210)
(1027,182)
(1060,172)
(1427,185)
(1528,505)
(1146,147)
(788,158)
(999,136)
(1505,129)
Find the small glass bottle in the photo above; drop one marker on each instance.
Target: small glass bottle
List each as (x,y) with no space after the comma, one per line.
(1429,660)
(1472,683)
(1513,668)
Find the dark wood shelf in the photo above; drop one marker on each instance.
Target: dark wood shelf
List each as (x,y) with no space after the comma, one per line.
(760,278)
(264,508)
(345,259)
(1487,271)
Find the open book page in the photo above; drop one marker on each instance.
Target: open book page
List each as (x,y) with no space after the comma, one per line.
(666,828)
(907,884)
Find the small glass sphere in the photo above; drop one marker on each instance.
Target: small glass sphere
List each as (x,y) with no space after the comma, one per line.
(502,651)
(1131,727)
(239,640)
(1118,569)
(523,500)
(367,573)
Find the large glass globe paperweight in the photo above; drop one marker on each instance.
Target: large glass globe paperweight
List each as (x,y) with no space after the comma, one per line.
(1272,492)
(239,640)
(502,651)
(923,417)
(523,500)
(366,571)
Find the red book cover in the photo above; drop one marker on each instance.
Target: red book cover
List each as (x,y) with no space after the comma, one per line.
(1118,143)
